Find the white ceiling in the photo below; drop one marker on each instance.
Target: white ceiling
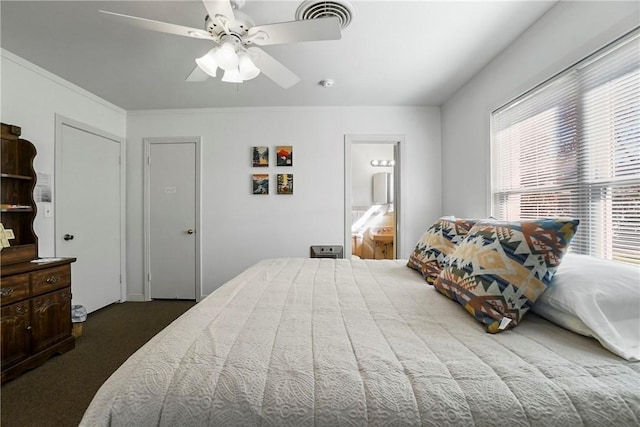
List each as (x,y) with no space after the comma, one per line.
(393,53)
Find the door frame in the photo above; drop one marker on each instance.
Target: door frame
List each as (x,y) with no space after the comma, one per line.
(66,121)
(147,209)
(398,172)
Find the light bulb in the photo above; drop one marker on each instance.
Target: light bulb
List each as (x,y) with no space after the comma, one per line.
(375,162)
(248,69)
(232,76)
(226,56)
(207,63)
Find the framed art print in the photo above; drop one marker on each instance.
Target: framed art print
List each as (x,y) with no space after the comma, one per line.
(260,183)
(284,155)
(285,183)
(260,156)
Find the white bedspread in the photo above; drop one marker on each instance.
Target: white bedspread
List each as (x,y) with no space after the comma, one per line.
(303,342)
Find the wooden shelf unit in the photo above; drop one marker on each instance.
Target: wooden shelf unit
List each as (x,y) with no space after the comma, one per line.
(17,182)
(35,297)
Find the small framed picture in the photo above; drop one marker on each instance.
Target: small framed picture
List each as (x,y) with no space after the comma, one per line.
(260,156)
(285,183)
(284,155)
(260,183)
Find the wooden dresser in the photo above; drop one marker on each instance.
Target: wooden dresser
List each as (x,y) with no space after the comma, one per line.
(35,297)
(36,314)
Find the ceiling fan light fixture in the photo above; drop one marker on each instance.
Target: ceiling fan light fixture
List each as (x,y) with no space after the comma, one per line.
(226,56)
(207,63)
(247,68)
(232,76)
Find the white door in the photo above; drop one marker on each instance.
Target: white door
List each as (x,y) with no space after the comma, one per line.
(172,221)
(88,213)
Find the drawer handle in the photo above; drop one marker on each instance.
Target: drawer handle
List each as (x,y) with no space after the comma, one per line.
(5,292)
(52,279)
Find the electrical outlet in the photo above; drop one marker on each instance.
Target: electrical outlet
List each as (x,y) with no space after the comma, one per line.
(48,210)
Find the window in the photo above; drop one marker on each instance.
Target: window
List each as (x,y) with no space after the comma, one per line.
(571,147)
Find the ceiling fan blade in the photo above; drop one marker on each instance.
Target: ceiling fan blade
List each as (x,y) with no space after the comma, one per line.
(222,11)
(162,27)
(197,75)
(273,69)
(296,31)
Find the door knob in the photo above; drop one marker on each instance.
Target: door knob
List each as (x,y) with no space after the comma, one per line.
(190,231)
(68,237)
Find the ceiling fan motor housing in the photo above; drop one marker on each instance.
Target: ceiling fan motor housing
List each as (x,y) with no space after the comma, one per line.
(240,28)
(233,39)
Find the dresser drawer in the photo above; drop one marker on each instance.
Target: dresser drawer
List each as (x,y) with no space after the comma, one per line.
(52,278)
(14,288)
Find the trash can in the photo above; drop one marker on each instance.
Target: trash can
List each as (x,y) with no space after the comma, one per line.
(78,315)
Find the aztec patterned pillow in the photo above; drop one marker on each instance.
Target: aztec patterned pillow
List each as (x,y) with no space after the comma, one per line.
(432,252)
(501,268)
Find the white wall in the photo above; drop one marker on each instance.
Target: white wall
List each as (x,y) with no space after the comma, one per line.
(567,33)
(30,98)
(362,172)
(239,228)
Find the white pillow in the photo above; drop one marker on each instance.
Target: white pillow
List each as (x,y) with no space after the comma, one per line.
(597,298)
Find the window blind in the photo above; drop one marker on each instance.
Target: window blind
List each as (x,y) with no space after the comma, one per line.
(571,147)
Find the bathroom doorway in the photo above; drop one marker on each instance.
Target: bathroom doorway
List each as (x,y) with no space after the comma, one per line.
(372,196)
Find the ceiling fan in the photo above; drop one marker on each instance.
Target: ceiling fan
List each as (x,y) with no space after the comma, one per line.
(236,39)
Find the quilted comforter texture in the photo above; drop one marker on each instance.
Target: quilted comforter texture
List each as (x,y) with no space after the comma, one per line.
(323,342)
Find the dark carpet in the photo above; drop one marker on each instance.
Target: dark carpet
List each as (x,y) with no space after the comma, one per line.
(58,392)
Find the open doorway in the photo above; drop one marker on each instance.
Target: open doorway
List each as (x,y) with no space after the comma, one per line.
(372,165)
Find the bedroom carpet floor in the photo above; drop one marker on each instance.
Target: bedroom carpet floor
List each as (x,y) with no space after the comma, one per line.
(58,392)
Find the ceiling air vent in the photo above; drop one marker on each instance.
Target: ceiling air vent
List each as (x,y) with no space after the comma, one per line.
(313,9)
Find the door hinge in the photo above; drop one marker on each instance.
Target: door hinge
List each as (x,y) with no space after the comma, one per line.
(149,160)
(149,277)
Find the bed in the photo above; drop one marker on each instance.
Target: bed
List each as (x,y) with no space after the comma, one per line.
(337,342)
